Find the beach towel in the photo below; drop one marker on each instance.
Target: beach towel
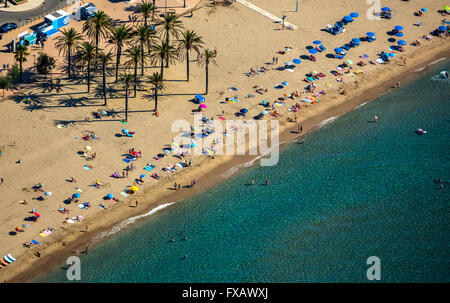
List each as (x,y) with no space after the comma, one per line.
(149,167)
(124,193)
(86,167)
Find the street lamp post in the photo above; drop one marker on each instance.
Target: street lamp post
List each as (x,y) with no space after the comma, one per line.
(51,74)
(34,62)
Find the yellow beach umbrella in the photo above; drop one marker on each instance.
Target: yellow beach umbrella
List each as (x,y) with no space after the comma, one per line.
(134,188)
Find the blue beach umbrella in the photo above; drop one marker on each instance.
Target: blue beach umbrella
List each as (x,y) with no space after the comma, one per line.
(402,42)
(399,27)
(125,131)
(356,40)
(399,35)
(109,196)
(424,9)
(385,9)
(370,34)
(76,195)
(297,61)
(312,51)
(348,18)
(317,42)
(142,176)
(244,110)
(338,49)
(354,15)
(442,28)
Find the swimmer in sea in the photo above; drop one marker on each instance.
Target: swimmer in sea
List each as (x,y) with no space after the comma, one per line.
(375,119)
(252,182)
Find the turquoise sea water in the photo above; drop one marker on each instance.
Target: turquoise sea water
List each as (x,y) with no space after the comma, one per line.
(355,189)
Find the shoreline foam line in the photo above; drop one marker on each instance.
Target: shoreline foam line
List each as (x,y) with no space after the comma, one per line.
(267,14)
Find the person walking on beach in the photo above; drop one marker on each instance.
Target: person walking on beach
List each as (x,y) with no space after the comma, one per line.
(300,129)
(136,204)
(1,180)
(175,185)
(398,84)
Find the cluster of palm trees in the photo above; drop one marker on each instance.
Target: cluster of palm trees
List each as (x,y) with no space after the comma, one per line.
(141,45)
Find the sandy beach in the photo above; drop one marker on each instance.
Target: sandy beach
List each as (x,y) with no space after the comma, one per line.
(244,39)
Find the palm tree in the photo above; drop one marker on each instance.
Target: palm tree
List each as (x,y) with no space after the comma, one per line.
(190,41)
(153,11)
(68,44)
(119,35)
(144,36)
(87,53)
(145,9)
(21,56)
(205,59)
(134,56)
(126,80)
(96,27)
(171,26)
(105,58)
(163,52)
(157,81)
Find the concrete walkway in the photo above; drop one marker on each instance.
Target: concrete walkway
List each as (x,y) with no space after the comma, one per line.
(29,5)
(267,14)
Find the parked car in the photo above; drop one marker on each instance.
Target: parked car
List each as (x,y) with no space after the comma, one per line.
(7,27)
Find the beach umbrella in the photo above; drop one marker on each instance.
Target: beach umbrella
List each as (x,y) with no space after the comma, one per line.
(288,63)
(142,176)
(424,10)
(25,225)
(284,83)
(317,42)
(134,188)
(385,9)
(399,27)
(297,61)
(48,193)
(244,110)
(349,62)
(402,42)
(370,34)
(447,8)
(348,18)
(263,112)
(354,15)
(125,131)
(202,105)
(442,28)
(88,148)
(312,51)
(356,40)
(110,196)
(36,214)
(313,72)
(338,49)
(399,35)
(76,195)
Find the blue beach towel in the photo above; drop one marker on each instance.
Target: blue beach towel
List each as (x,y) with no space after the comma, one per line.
(149,167)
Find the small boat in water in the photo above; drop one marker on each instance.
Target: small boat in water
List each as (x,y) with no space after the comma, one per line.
(420,131)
